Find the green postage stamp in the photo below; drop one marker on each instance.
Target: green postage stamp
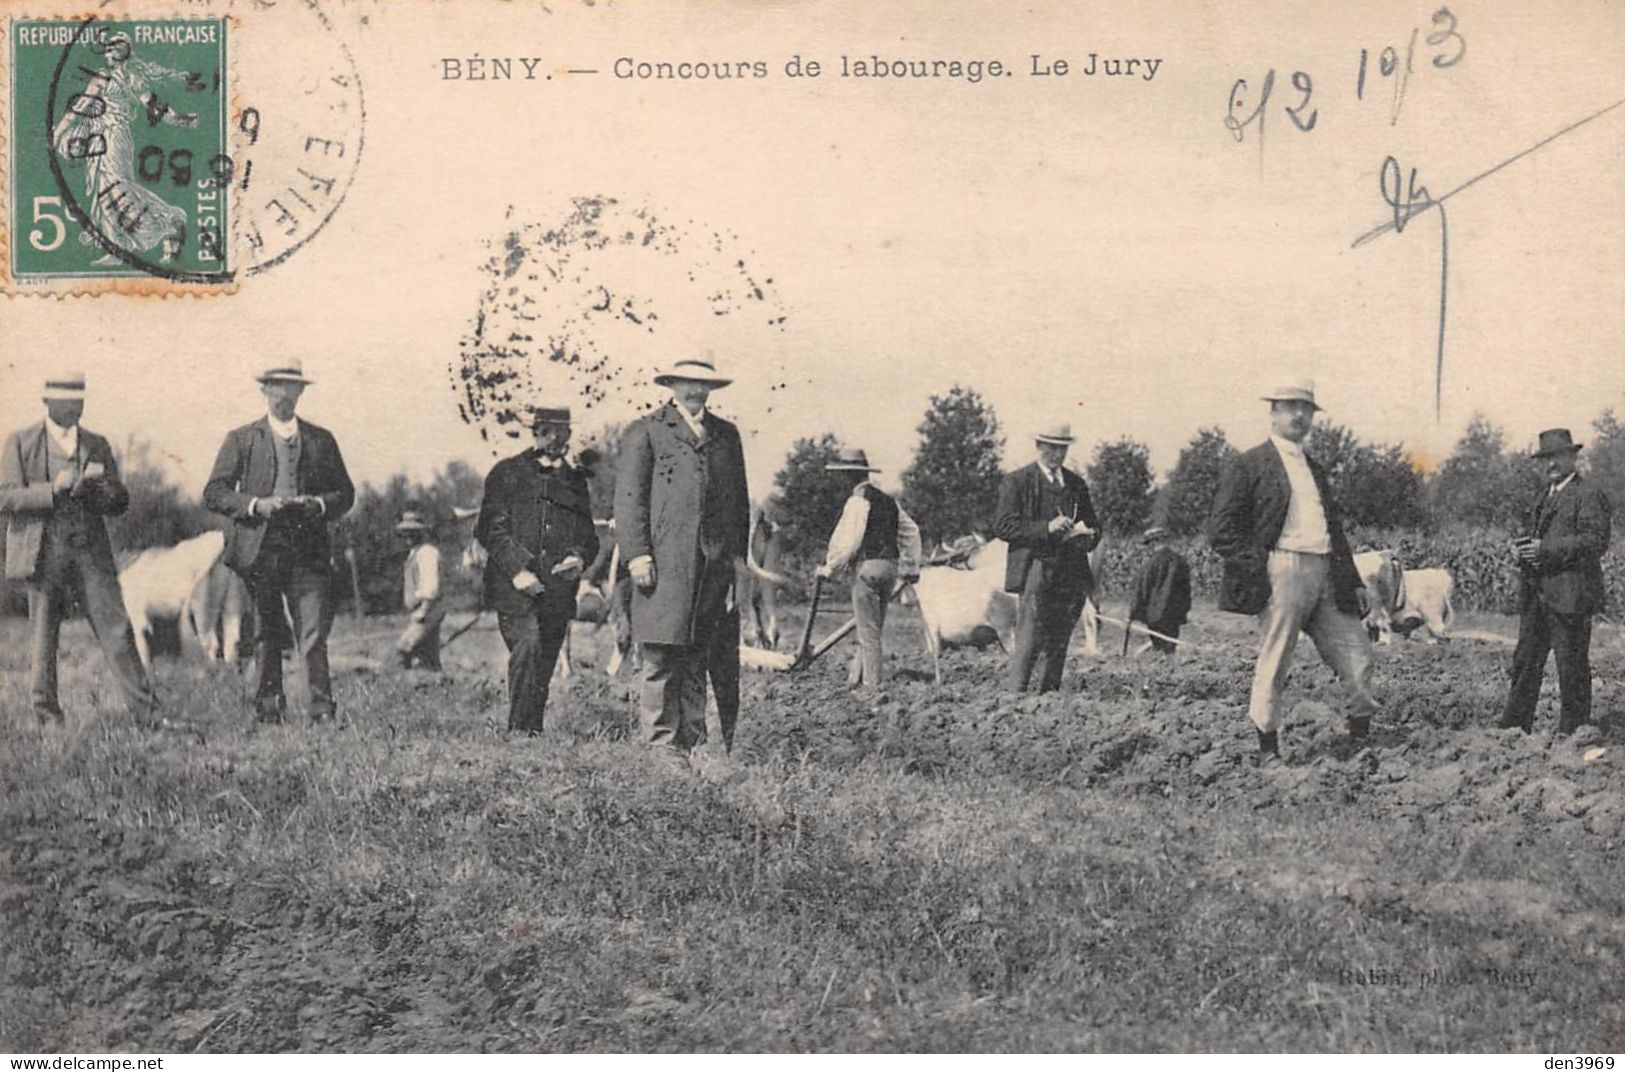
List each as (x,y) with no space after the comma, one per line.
(119,170)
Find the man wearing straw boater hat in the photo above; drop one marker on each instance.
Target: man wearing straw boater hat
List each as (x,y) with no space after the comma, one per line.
(881,543)
(1286,559)
(536,527)
(1559,555)
(420,593)
(1046,516)
(682,518)
(58,481)
(280,482)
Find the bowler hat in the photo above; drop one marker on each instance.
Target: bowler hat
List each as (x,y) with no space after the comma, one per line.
(698,369)
(411,521)
(284,372)
(1299,390)
(65,387)
(851,460)
(1556,441)
(1059,433)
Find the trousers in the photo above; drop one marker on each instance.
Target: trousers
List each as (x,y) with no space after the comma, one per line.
(65,572)
(534,638)
(280,573)
(1568,635)
(671,692)
(1046,614)
(420,640)
(1301,601)
(872,585)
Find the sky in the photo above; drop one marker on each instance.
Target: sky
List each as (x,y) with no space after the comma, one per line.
(1075,248)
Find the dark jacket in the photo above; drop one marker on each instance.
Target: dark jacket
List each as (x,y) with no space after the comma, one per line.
(1249,512)
(532,519)
(1162,591)
(1573,529)
(245,469)
(28,502)
(1019,522)
(685,503)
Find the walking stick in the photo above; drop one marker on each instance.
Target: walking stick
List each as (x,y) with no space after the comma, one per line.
(1126,634)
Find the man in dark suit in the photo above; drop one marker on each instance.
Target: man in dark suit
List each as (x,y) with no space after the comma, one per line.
(1162,593)
(58,480)
(1560,587)
(536,527)
(1286,559)
(1045,515)
(279,482)
(682,517)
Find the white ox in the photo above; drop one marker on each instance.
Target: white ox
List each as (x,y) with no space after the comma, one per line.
(187,582)
(960,606)
(1402,599)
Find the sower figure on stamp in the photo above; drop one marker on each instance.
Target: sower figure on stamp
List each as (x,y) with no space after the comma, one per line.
(1162,593)
(280,481)
(682,517)
(881,543)
(1286,559)
(58,481)
(420,593)
(1046,516)
(1559,557)
(536,527)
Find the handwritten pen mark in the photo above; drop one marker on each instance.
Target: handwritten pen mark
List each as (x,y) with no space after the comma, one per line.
(1416,200)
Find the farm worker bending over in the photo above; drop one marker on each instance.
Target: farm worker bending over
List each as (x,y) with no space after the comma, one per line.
(1162,592)
(682,516)
(882,543)
(58,481)
(420,592)
(1047,518)
(1286,559)
(536,527)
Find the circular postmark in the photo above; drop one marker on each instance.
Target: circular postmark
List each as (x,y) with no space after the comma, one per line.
(203,148)
(586,310)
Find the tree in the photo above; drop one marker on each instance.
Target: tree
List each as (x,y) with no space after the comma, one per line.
(1604,459)
(1188,497)
(158,515)
(813,499)
(953,482)
(1480,484)
(1120,484)
(1376,484)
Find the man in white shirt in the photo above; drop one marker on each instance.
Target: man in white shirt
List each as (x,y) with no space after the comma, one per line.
(420,592)
(1286,558)
(882,543)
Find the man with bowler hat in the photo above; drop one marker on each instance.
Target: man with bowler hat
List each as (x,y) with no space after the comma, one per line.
(420,593)
(1046,516)
(280,482)
(58,481)
(682,517)
(1560,586)
(881,543)
(1286,559)
(536,527)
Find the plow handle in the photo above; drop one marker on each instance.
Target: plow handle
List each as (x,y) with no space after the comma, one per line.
(812,618)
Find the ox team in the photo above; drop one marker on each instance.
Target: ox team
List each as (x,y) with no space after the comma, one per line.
(684,525)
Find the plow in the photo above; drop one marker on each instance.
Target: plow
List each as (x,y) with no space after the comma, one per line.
(807,652)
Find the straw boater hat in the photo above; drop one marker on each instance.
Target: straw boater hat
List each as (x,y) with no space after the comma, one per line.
(699,369)
(1059,434)
(1556,441)
(284,372)
(1299,390)
(411,521)
(851,461)
(65,387)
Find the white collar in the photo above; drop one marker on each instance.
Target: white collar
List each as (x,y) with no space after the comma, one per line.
(283,429)
(65,438)
(694,421)
(1052,475)
(1288,448)
(1561,484)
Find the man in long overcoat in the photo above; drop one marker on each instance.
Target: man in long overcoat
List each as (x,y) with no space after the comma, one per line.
(280,482)
(1560,587)
(58,481)
(682,516)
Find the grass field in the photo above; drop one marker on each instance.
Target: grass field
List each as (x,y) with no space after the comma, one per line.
(934,869)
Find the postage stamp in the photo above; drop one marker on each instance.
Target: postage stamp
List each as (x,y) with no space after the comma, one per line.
(119,169)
